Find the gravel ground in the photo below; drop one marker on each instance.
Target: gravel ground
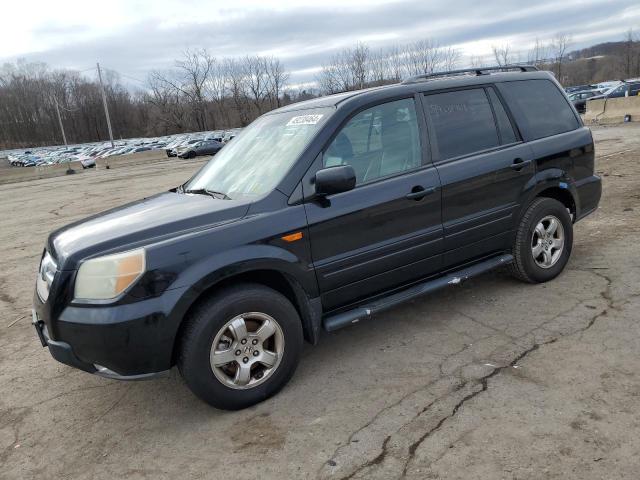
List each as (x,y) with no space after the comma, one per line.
(494,379)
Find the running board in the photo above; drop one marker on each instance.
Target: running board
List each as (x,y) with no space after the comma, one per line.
(340,320)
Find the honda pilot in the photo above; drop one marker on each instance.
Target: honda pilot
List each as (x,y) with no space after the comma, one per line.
(317,216)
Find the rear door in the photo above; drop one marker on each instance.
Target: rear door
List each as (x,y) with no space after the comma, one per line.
(387,231)
(483,166)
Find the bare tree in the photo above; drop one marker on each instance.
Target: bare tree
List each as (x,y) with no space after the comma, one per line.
(358,63)
(502,54)
(257,83)
(477,61)
(327,79)
(170,109)
(217,87)
(196,68)
(450,58)
(347,70)
(395,63)
(631,54)
(423,57)
(538,54)
(277,78)
(237,88)
(189,79)
(559,45)
(379,67)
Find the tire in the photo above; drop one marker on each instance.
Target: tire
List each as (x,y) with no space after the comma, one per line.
(209,321)
(531,238)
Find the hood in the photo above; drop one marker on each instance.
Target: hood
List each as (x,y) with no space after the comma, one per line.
(144,221)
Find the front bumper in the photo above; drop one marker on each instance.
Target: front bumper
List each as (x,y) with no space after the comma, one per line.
(62,352)
(127,341)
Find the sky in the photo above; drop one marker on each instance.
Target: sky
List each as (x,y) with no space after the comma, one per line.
(134,37)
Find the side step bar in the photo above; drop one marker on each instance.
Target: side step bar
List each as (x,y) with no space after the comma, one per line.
(339,320)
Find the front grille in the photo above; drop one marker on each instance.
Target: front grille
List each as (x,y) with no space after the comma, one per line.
(46,274)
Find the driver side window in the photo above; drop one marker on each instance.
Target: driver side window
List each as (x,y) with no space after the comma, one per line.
(380,141)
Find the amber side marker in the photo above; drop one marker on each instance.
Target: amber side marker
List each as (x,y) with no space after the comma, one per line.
(292,237)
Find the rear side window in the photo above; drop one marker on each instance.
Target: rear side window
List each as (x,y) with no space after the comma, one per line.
(507,135)
(541,110)
(462,122)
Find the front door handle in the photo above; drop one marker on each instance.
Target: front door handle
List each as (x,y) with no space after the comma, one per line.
(518,164)
(418,192)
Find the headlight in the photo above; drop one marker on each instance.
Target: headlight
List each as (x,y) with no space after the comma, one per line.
(46,274)
(107,277)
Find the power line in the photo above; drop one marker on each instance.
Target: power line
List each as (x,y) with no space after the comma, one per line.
(133,78)
(126,76)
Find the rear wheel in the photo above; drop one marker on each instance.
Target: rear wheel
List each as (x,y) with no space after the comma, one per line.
(241,346)
(543,241)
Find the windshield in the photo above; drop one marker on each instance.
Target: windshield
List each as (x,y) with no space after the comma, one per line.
(260,156)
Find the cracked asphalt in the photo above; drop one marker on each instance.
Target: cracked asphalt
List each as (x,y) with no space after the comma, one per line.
(494,379)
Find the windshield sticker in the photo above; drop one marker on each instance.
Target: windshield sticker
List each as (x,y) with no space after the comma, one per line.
(305,120)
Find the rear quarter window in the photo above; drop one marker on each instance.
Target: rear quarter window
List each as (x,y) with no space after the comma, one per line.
(540,108)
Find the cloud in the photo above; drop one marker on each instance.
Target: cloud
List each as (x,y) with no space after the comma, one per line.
(305,34)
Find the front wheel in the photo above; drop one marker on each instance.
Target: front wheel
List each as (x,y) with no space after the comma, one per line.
(241,346)
(543,242)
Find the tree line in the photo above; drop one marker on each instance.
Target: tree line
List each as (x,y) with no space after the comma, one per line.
(595,64)
(199,93)
(203,92)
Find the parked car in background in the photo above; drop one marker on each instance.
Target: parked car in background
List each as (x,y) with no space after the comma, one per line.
(579,88)
(629,88)
(579,98)
(88,153)
(170,147)
(185,145)
(229,135)
(204,147)
(322,214)
(605,86)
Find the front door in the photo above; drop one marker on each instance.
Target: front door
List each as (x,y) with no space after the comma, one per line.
(387,231)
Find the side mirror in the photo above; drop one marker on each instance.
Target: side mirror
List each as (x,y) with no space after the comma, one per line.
(335,180)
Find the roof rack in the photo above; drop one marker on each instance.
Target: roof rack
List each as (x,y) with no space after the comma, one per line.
(476,71)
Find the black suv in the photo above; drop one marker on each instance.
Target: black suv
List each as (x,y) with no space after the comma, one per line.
(319,215)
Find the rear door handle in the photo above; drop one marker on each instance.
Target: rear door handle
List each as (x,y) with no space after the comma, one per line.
(418,192)
(519,164)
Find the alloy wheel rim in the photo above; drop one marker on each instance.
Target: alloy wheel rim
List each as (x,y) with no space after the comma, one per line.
(547,242)
(247,350)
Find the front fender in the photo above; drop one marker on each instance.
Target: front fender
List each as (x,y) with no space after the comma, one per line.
(210,271)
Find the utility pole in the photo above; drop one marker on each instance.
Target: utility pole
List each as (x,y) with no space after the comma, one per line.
(64,137)
(104,102)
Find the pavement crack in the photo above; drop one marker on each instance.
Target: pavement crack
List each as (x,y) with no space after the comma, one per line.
(477,386)
(484,382)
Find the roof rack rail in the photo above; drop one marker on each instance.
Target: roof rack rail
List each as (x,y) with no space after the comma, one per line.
(477,71)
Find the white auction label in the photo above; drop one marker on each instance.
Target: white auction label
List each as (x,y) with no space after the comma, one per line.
(305,120)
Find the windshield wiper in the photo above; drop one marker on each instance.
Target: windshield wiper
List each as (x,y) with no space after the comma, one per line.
(206,191)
